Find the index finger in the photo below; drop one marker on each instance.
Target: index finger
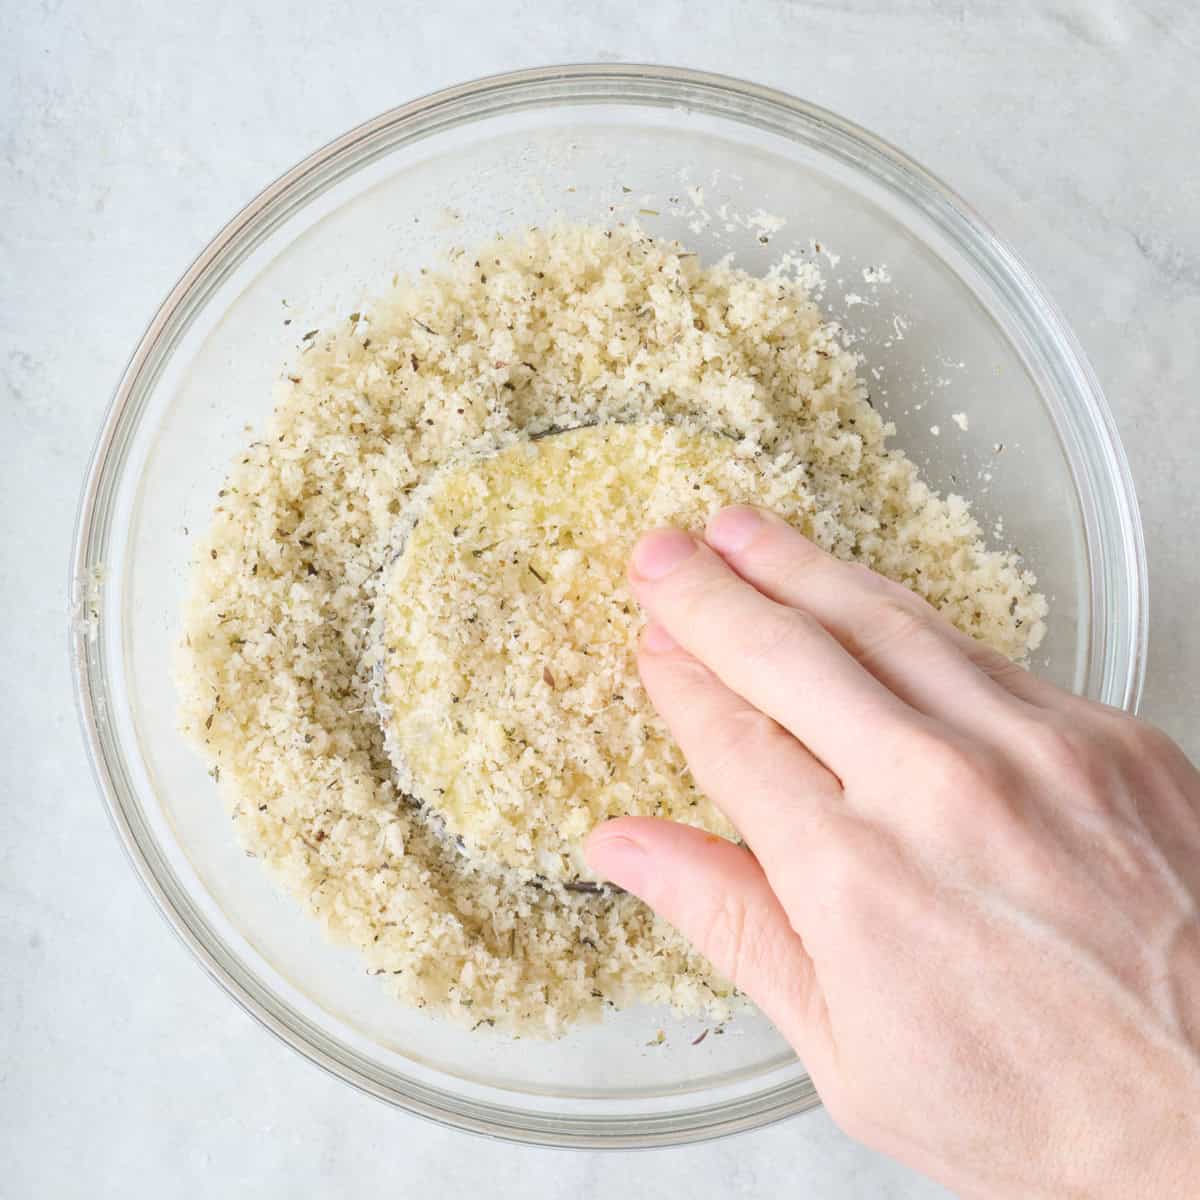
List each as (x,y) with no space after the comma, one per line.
(780,659)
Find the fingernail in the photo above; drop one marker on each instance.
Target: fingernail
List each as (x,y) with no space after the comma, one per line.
(620,860)
(660,552)
(656,640)
(732,528)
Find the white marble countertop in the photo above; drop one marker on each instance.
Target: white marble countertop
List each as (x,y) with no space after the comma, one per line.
(128,133)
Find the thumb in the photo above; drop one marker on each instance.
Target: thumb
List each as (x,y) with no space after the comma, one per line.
(716,894)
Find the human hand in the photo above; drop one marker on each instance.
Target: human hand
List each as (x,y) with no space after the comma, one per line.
(972,903)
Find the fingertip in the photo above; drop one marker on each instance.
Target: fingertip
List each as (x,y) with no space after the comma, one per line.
(659,552)
(733,528)
(733,531)
(617,856)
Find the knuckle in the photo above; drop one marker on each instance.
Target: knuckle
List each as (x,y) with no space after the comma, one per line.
(754,732)
(991,662)
(898,617)
(893,620)
(862,577)
(1145,742)
(1114,732)
(1134,860)
(1119,765)
(964,795)
(1064,753)
(994,665)
(782,633)
(952,768)
(688,674)
(705,598)
(883,589)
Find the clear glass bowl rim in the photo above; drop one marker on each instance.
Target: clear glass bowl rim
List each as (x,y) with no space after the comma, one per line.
(1113,532)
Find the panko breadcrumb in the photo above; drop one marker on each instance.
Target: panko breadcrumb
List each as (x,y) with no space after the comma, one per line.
(576,326)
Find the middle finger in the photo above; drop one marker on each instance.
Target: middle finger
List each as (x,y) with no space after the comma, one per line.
(895,634)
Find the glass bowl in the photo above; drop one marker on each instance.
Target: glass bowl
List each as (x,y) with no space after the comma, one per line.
(953,332)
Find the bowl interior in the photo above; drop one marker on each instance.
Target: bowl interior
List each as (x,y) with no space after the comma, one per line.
(943,362)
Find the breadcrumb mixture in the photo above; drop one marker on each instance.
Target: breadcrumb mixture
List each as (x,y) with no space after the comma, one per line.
(511,694)
(577,326)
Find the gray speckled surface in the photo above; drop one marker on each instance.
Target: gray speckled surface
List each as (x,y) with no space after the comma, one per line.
(128,133)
